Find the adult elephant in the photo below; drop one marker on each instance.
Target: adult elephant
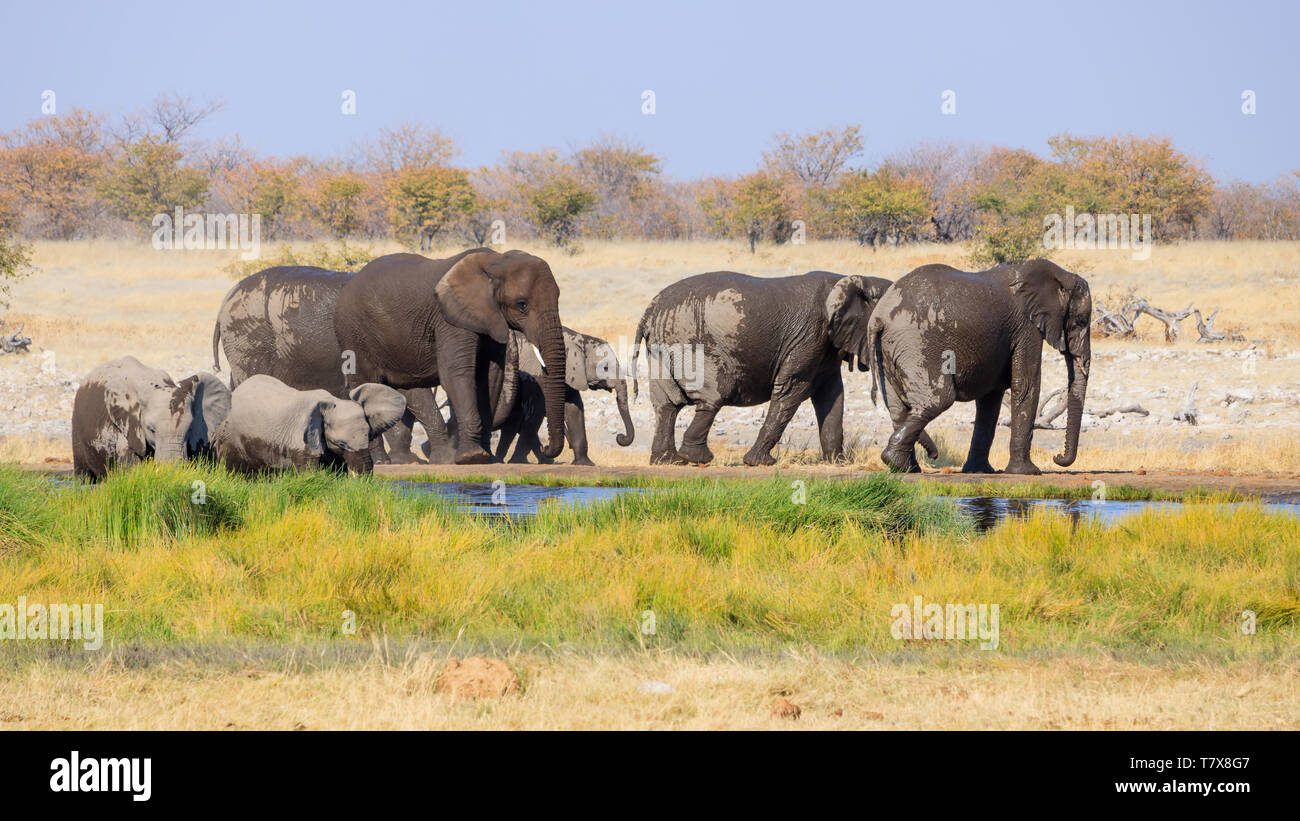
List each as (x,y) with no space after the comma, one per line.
(280,322)
(590,364)
(412,322)
(725,338)
(125,412)
(940,335)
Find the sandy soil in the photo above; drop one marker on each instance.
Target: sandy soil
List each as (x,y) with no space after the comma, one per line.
(664,691)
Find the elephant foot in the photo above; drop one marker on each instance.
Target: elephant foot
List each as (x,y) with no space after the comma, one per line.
(759,459)
(1022,466)
(670,457)
(478,456)
(584,461)
(900,462)
(696,454)
(834,457)
(977,467)
(403,458)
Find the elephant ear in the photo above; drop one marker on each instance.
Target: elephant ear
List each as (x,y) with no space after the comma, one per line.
(577,374)
(1044,288)
(313,434)
(467,295)
(382,406)
(848,308)
(125,411)
(210,405)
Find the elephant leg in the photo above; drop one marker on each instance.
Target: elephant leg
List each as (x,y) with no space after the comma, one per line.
(828,403)
(575,426)
(1025,373)
(458,374)
(423,406)
(695,441)
(508,433)
(786,398)
(919,395)
(981,439)
(663,450)
(398,439)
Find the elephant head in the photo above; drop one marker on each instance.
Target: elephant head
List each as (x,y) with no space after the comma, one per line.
(347,426)
(1059,303)
(491,293)
(155,416)
(592,365)
(848,307)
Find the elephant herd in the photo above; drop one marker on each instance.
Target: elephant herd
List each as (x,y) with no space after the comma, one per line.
(334,369)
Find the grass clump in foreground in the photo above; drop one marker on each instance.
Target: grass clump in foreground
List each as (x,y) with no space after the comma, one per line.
(731,565)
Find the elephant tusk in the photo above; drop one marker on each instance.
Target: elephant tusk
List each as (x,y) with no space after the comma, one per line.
(538,353)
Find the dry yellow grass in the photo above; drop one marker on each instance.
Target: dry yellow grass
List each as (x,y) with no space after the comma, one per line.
(604,692)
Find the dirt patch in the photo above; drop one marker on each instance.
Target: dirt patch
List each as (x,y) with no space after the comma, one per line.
(477,677)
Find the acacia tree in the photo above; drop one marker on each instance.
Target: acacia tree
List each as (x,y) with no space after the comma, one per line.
(878,207)
(336,202)
(424,201)
(148,178)
(1138,175)
(557,203)
(50,166)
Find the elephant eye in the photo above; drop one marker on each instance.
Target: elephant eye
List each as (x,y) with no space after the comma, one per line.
(522,305)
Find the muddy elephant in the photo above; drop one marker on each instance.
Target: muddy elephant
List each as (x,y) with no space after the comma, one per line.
(280,322)
(272,426)
(724,338)
(940,335)
(590,364)
(125,412)
(412,322)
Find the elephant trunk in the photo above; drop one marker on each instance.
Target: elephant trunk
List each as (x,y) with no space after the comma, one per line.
(551,345)
(1078,389)
(620,396)
(169,447)
(509,384)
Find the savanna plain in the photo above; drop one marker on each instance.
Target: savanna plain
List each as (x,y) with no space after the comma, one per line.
(725,597)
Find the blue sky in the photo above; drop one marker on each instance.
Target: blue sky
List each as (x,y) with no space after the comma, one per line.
(726,75)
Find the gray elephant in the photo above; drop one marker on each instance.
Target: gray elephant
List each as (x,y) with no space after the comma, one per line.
(418,323)
(280,322)
(724,338)
(272,426)
(940,335)
(590,364)
(125,412)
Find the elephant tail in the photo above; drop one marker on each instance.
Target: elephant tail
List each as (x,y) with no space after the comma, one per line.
(878,364)
(216,346)
(636,353)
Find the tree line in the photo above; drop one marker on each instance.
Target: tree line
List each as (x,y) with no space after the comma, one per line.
(82,174)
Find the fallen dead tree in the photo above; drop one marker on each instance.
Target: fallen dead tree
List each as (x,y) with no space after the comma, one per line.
(1055,404)
(13,342)
(1123,322)
(1209,334)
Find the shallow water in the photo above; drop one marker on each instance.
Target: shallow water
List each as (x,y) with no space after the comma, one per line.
(512,500)
(990,511)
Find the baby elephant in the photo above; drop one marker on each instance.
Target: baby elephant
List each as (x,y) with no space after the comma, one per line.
(273,427)
(590,364)
(125,412)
